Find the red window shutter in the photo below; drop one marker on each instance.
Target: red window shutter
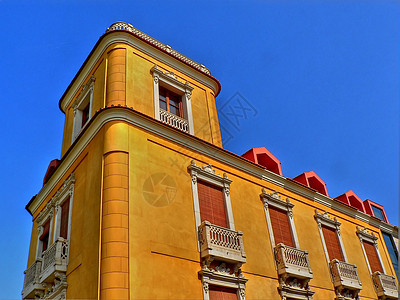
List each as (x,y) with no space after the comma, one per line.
(332,243)
(222,293)
(373,258)
(64,219)
(212,204)
(280,226)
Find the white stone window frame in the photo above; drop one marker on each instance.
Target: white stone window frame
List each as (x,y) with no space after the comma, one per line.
(207,174)
(46,215)
(370,237)
(84,98)
(170,82)
(66,192)
(274,200)
(325,219)
(223,280)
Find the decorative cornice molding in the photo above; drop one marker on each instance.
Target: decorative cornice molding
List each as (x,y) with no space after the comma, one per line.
(364,234)
(275,200)
(325,219)
(121,36)
(208,172)
(194,144)
(167,48)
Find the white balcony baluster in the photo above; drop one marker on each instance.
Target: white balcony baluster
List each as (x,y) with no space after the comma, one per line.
(385,285)
(222,243)
(173,120)
(345,276)
(293,262)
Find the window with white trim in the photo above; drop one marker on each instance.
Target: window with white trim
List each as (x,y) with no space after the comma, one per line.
(172,103)
(45,221)
(279,215)
(63,201)
(369,246)
(329,230)
(206,188)
(83,107)
(220,274)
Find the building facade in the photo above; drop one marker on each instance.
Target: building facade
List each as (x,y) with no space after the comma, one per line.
(146,204)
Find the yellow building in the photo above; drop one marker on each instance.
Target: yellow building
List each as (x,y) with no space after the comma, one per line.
(146,204)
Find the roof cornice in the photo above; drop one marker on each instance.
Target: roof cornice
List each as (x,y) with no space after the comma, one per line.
(121,32)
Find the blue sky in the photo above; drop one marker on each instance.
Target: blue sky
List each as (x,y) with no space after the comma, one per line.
(322,77)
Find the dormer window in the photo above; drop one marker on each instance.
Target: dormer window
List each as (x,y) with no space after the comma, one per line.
(83,108)
(172,104)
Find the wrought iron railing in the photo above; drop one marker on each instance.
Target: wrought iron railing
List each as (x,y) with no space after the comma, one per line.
(224,243)
(174,120)
(149,39)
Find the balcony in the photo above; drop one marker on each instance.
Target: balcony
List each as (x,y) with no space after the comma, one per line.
(32,285)
(221,244)
(385,286)
(54,259)
(292,262)
(345,278)
(173,120)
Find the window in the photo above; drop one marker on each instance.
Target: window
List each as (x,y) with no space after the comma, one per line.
(332,243)
(280,226)
(83,107)
(390,245)
(63,202)
(44,237)
(212,204)
(64,221)
(369,246)
(211,196)
(172,104)
(329,230)
(216,287)
(223,253)
(292,264)
(378,213)
(45,221)
(222,293)
(279,217)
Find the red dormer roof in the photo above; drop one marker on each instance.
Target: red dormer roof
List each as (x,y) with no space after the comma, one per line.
(313,181)
(369,205)
(350,198)
(50,170)
(264,158)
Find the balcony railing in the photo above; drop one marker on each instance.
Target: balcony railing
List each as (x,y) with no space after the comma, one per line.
(293,262)
(345,275)
(31,282)
(221,243)
(55,259)
(173,120)
(385,285)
